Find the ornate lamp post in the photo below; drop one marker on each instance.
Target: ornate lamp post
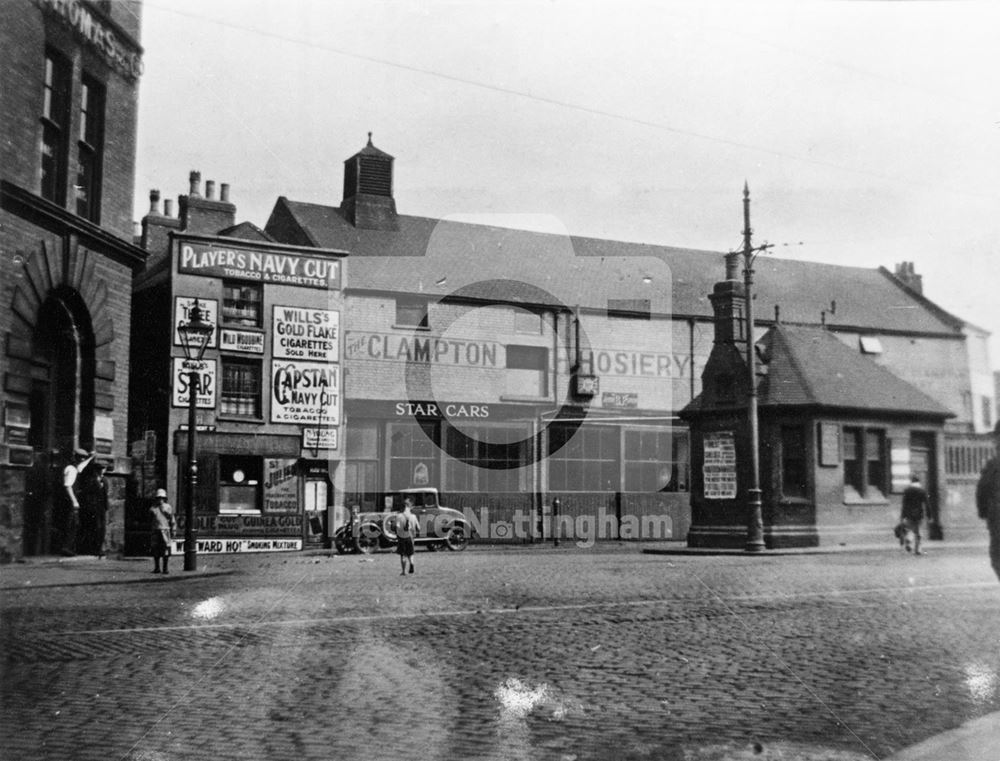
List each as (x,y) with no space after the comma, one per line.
(195,335)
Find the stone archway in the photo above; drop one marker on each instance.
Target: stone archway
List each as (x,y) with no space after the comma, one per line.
(61,404)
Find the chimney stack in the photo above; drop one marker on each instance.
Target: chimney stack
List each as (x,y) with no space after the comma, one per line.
(205,215)
(906,273)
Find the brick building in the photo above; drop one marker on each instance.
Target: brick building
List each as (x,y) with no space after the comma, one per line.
(511,367)
(69,97)
(268,398)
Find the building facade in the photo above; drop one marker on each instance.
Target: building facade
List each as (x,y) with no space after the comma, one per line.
(267,392)
(69,96)
(513,368)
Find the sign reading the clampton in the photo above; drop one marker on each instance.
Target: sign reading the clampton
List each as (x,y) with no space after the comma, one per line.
(395,347)
(204,382)
(212,260)
(720,465)
(242,340)
(182,313)
(209,546)
(312,334)
(305,392)
(319,438)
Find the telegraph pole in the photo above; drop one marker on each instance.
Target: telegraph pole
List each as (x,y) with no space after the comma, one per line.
(755,517)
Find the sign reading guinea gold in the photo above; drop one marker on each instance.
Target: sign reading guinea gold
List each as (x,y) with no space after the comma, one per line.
(212,260)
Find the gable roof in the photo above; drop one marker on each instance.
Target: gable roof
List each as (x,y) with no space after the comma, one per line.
(812,367)
(866,299)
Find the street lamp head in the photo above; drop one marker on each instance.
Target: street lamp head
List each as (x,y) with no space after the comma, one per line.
(195,333)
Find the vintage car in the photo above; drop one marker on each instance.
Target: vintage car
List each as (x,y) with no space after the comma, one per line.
(440,526)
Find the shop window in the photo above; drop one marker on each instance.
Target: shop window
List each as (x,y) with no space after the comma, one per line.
(242,304)
(412,455)
(55,127)
(793,461)
(361,466)
(864,464)
(239,484)
(485,459)
(412,313)
(527,371)
(656,460)
(241,387)
(90,150)
(583,459)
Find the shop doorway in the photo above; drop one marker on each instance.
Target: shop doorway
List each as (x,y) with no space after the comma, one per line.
(61,406)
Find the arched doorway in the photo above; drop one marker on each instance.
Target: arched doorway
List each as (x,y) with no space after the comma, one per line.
(62,409)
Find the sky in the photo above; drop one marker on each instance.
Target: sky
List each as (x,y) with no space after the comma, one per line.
(869,132)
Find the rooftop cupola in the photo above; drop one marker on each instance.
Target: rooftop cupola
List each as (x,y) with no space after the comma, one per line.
(368,201)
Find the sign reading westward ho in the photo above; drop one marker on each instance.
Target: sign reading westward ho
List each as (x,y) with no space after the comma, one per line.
(212,260)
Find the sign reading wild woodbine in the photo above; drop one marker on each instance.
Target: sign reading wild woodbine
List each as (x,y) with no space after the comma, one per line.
(300,333)
(216,260)
(305,393)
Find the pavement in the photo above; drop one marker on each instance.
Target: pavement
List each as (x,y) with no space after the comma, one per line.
(85,584)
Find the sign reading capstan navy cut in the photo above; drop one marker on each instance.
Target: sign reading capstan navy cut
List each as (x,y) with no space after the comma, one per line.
(306,393)
(215,260)
(301,333)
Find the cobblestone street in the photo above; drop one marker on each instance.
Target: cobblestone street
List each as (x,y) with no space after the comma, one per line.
(606,653)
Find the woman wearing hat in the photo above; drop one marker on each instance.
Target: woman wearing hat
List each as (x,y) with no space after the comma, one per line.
(163,524)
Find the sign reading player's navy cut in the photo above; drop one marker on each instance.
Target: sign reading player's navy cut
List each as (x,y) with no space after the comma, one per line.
(286,268)
(309,334)
(306,393)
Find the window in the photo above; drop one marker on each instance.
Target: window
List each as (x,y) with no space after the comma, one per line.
(491,457)
(239,484)
(412,455)
(527,371)
(90,150)
(864,464)
(242,304)
(583,459)
(793,462)
(241,385)
(656,459)
(527,322)
(55,127)
(987,413)
(361,467)
(870,345)
(412,313)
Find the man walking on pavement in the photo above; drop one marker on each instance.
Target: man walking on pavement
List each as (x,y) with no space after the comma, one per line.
(406,529)
(988,500)
(914,509)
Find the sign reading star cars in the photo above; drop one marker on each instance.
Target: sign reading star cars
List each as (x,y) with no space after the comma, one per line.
(305,392)
(310,334)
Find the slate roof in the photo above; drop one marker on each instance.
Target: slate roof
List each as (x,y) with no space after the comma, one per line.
(590,271)
(812,367)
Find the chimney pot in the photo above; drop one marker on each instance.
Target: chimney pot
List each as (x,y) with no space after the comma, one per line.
(195,178)
(210,189)
(224,190)
(732,266)
(168,208)
(154,202)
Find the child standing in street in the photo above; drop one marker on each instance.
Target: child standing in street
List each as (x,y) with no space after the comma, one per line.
(163,524)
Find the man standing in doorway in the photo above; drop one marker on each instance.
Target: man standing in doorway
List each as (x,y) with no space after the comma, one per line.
(988,500)
(69,501)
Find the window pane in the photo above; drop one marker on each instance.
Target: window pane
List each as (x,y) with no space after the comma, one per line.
(241,386)
(241,304)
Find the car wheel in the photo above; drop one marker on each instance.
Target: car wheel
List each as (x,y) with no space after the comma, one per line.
(456,539)
(367,540)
